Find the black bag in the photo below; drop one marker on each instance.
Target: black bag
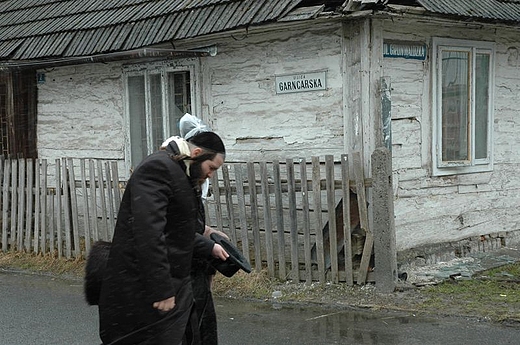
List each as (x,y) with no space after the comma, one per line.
(94,270)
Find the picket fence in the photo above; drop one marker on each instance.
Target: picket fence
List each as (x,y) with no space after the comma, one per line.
(286,217)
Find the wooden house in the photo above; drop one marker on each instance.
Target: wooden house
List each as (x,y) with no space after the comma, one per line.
(434,81)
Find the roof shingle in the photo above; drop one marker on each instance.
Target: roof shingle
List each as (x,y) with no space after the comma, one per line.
(36,29)
(30,29)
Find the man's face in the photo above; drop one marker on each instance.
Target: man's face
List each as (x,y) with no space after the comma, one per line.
(201,170)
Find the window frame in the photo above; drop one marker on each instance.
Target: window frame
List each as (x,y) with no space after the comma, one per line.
(440,167)
(162,68)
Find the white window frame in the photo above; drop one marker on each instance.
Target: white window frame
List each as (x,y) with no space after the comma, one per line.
(472,165)
(162,68)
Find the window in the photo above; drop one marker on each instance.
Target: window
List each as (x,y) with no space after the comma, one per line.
(18,99)
(463,106)
(156,100)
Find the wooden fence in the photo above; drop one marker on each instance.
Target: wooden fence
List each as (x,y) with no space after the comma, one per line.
(287,217)
(58,208)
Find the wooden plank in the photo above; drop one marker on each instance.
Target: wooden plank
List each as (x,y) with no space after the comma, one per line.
(5,203)
(74,208)
(86,216)
(254,215)
(116,186)
(14,202)
(366,92)
(331,206)
(316,188)
(229,204)
(2,164)
(29,204)
(66,208)
(242,210)
(293,220)
(267,218)
(218,206)
(347,237)
(37,205)
(363,214)
(279,219)
(58,209)
(117,193)
(306,222)
(21,204)
(93,200)
(52,224)
(43,197)
(110,204)
(207,215)
(103,201)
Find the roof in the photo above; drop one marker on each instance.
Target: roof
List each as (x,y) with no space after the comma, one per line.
(36,30)
(494,10)
(32,29)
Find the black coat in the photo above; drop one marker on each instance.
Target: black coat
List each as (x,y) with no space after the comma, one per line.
(151,254)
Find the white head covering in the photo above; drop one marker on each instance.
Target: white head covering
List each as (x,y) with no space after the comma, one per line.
(190,125)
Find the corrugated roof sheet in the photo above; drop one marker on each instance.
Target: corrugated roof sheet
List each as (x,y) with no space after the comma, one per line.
(494,10)
(34,29)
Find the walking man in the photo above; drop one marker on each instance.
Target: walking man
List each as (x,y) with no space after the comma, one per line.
(146,295)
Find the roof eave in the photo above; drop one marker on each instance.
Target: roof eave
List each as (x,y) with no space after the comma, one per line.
(135,54)
(424,14)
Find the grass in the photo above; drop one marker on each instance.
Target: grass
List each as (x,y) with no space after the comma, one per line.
(243,285)
(493,295)
(44,264)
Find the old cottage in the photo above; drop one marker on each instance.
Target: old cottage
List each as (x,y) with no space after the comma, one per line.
(434,81)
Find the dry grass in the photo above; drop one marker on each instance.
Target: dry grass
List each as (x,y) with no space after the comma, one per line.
(44,264)
(243,285)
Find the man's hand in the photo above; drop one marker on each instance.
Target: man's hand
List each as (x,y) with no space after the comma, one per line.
(219,252)
(165,305)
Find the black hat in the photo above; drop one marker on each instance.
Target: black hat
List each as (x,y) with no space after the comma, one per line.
(234,262)
(209,141)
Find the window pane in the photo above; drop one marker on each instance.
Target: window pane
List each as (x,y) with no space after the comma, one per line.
(148,119)
(455,105)
(481,105)
(156,112)
(179,98)
(136,105)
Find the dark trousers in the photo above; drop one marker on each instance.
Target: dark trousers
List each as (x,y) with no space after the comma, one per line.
(204,306)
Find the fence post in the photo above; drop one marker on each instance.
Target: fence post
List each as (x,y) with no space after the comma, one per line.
(385,253)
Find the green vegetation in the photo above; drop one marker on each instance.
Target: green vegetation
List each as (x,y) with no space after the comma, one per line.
(493,294)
